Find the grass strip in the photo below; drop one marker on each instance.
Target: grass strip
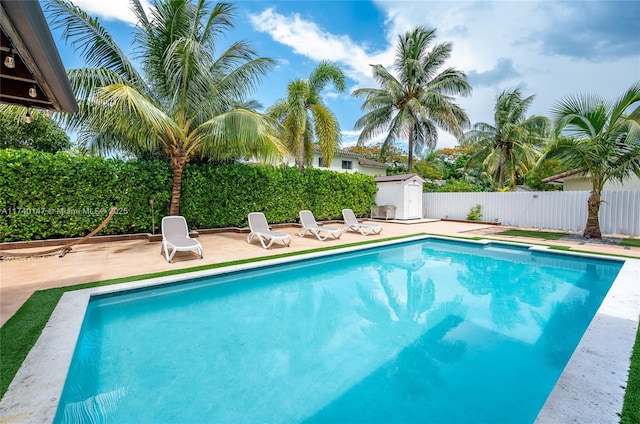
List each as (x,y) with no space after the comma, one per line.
(547,235)
(567,248)
(21,331)
(631,407)
(630,242)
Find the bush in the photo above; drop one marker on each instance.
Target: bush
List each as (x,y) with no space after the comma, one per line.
(61,195)
(475,213)
(458,186)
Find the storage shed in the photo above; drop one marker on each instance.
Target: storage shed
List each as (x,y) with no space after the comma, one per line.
(402,193)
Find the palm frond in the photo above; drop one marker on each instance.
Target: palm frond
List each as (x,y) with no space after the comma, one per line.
(186,78)
(435,59)
(621,106)
(126,101)
(327,131)
(244,79)
(241,133)
(93,41)
(450,82)
(583,116)
(324,73)
(220,20)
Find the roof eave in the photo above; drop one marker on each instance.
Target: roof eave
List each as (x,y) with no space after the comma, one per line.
(25,24)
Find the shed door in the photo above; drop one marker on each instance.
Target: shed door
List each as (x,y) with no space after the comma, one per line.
(414,195)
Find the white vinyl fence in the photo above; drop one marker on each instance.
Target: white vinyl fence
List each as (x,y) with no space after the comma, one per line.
(558,210)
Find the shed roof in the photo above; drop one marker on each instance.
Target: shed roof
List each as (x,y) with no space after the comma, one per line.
(399,177)
(25,36)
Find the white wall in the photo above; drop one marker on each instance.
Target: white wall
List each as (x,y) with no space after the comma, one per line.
(390,193)
(560,210)
(406,198)
(574,183)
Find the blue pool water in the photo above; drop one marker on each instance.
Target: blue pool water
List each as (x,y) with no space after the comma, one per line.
(430,331)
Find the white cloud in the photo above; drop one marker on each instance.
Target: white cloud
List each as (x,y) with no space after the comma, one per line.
(307,38)
(349,138)
(118,10)
(490,39)
(486,34)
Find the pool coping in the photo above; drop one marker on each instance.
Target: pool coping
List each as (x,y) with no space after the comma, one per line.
(590,389)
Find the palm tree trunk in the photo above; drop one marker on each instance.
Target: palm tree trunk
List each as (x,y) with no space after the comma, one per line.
(300,158)
(592,229)
(178,160)
(503,160)
(410,164)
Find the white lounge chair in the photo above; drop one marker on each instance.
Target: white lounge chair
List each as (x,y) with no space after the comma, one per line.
(351,224)
(310,225)
(260,228)
(175,237)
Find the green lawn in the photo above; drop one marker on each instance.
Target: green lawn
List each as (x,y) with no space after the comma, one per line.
(630,242)
(20,332)
(631,408)
(547,235)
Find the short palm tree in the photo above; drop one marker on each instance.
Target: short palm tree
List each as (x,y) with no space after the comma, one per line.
(507,149)
(306,118)
(600,139)
(411,103)
(184,100)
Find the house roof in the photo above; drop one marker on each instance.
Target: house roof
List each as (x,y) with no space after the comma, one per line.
(399,177)
(362,159)
(25,36)
(563,175)
(372,163)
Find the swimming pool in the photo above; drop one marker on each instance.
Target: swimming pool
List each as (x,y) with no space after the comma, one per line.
(430,330)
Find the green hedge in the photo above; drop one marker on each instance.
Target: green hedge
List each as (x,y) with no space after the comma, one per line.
(61,195)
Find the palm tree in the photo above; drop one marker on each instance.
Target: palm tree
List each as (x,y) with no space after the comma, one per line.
(417,99)
(509,148)
(184,101)
(304,115)
(600,139)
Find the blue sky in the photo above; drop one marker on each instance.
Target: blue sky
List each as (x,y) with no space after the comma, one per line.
(547,48)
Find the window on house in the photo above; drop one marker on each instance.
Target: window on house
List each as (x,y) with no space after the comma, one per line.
(347,164)
(321,163)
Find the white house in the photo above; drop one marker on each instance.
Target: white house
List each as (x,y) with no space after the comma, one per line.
(578,183)
(345,161)
(402,192)
(573,181)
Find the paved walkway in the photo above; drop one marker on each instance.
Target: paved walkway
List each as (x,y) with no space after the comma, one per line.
(20,278)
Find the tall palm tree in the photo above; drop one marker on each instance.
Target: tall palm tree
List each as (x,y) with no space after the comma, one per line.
(600,139)
(509,148)
(305,117)
(411,103)
(184,100)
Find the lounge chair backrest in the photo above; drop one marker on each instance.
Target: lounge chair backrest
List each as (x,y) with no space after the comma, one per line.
(349,217)
(174,227)
(258,222)
(307,219)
